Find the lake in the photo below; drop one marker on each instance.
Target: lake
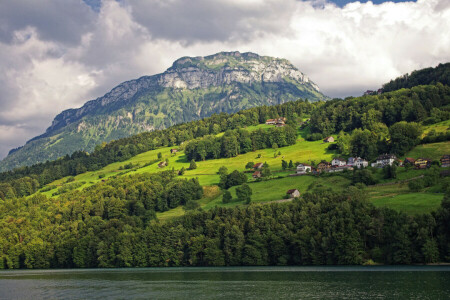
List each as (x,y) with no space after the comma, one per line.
(380,282)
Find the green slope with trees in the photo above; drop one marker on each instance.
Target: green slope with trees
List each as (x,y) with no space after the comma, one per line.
(132,202)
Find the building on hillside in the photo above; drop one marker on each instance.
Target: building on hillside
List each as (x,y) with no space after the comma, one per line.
(338,162)
(256,174)
(173,151)
(258,166)
(445,161)
(281,125)
(293,193)
(162,164)
(384,160)
(423,163)
(409,161)
(360,163)
(328,139)
(277,121)
(303,169)
(340,169)
(351,161)
(368,92)
(323,166)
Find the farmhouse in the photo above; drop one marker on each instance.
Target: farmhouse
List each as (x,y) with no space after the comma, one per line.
(445,161)
(323,166)
(422,163)
(162,164)
(257,174)
(338,162)
(278,121)
(409,161)
(173,151)
(328,139)
(257,166)
(303,169)
(340,169)
(293,193)
(360,163)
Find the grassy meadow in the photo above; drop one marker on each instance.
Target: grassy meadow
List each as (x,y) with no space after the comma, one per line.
(395,196)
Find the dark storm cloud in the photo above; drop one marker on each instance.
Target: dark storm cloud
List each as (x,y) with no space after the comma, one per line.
(62,21)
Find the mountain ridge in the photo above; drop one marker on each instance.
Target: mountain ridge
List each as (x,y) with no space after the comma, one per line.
(192,88)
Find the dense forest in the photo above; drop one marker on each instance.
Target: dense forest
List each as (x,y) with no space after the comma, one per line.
(389,122)
(441,74)
(112,225)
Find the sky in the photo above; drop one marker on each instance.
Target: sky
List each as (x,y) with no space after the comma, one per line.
(56,55)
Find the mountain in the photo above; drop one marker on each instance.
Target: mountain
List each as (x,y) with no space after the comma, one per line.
(192,88)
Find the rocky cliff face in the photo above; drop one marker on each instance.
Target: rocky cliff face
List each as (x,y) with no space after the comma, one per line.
(192,88)
(196,73)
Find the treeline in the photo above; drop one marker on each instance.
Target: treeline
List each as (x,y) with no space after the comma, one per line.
(374,112)
(387,123)
(235,142)
(427,76)
(123,149)
(322,228)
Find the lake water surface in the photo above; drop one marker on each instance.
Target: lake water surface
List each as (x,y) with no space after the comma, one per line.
(406,282)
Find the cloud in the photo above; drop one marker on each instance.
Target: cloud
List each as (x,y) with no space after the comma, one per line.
(60,54)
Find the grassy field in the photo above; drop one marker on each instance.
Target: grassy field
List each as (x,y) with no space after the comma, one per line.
(399,197)
(411,203)
(443,126)
(276,189)
(394,196)
(302,151)
(433,151)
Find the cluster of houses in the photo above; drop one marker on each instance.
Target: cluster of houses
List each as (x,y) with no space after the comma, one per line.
(336,165)
(279,122)
(339,164)
(257,167)
(424,163)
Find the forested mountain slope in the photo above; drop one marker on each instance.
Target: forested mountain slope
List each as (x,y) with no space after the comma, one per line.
(193,88)
(440,73)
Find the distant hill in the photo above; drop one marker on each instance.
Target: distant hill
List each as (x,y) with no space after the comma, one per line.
(193,88)
(441,74)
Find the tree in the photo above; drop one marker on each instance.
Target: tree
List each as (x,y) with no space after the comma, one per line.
(159,155)
(244,193)
(284,164)
(249,165)
(223,170)
(167,161)
(275,146)
(404,136)
(227,198)
(291,164)
(192,165)
(265,170)
(181,172)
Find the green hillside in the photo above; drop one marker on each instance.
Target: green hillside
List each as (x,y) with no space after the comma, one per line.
(132,202)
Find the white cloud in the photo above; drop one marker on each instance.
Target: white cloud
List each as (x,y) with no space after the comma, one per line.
(344,50)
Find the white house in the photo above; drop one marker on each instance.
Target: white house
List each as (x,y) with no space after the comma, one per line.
(338,162)
(303,169)
(360,163)
(384,160)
